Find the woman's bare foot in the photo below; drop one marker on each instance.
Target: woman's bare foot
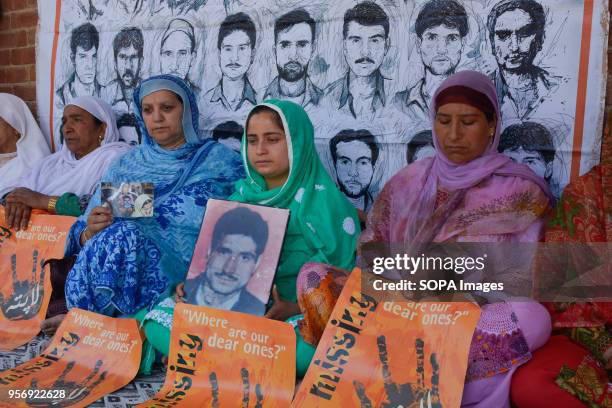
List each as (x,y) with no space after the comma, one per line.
(50,325)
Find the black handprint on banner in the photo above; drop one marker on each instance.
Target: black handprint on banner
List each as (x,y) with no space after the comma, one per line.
(75,391)
(5,234)
(26,299)
(246,390)
(405,395)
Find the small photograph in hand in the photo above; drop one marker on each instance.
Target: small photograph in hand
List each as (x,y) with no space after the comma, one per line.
(235,257)
(128,199)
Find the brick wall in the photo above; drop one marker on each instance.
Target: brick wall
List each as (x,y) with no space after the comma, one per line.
(18,55)
(17,49)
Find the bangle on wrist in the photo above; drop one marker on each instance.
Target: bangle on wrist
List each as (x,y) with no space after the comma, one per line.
(85,235)
(51,204)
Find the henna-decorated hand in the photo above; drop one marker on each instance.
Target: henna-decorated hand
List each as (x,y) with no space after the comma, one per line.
(246,390)
(404,395)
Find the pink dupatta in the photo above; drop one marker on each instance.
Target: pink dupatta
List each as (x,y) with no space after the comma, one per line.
(496,195)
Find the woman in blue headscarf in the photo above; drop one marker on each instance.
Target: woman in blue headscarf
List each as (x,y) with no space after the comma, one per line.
(124,265)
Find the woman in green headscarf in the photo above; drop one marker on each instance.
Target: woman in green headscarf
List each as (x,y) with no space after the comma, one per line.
(284,171)
(323,226)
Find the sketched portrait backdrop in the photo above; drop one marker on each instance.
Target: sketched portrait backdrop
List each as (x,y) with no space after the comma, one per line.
(376,79)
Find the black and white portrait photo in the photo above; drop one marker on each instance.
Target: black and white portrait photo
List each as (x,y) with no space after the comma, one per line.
(361,91)
(294,41)
(441,27)
(516,32)
(236,46)
(84,45)
(354,154)
(128,53)
(530,143)
(128,47)
(177,50)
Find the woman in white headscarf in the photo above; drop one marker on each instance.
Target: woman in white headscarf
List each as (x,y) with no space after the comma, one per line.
(63,182)
(143,206)
(22,145)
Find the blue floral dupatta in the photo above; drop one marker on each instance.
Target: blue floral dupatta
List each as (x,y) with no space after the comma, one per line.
(130,264)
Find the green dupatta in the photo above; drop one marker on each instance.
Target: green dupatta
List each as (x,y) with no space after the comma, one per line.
(323,225)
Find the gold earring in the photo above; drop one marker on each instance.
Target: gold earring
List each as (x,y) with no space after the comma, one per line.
(101,138)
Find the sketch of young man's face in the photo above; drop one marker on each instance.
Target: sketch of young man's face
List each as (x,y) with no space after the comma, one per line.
(364,48)
(293,52)
(514,38)
(440,48)
(231,263)
(236,54)
(128,66)
(175,55)
(533,159)
(354,167)
(85,64)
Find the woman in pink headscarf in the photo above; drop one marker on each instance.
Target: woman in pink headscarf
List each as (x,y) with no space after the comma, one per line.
(467,192)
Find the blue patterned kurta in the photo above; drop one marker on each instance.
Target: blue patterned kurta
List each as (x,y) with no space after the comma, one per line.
(132,263)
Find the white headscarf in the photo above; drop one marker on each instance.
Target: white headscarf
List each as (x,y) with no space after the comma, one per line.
(62,173)
(31,146)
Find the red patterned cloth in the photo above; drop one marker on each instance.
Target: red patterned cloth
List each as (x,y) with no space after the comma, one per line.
(588,382)
(564,373)
(584,214)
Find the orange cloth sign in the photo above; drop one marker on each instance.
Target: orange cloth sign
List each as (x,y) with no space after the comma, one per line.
(220,358)
(25,287)
(90,356)
(379,349)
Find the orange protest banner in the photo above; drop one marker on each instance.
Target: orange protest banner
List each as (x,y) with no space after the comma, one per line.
(382,350)
(25,288)
(90,356)
(220,358)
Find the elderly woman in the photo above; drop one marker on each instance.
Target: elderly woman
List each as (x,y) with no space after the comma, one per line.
(63,182)
(22,144)
(124,265)
(467,192)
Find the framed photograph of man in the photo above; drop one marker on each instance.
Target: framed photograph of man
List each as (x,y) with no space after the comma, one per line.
(128,199)
(235,257)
